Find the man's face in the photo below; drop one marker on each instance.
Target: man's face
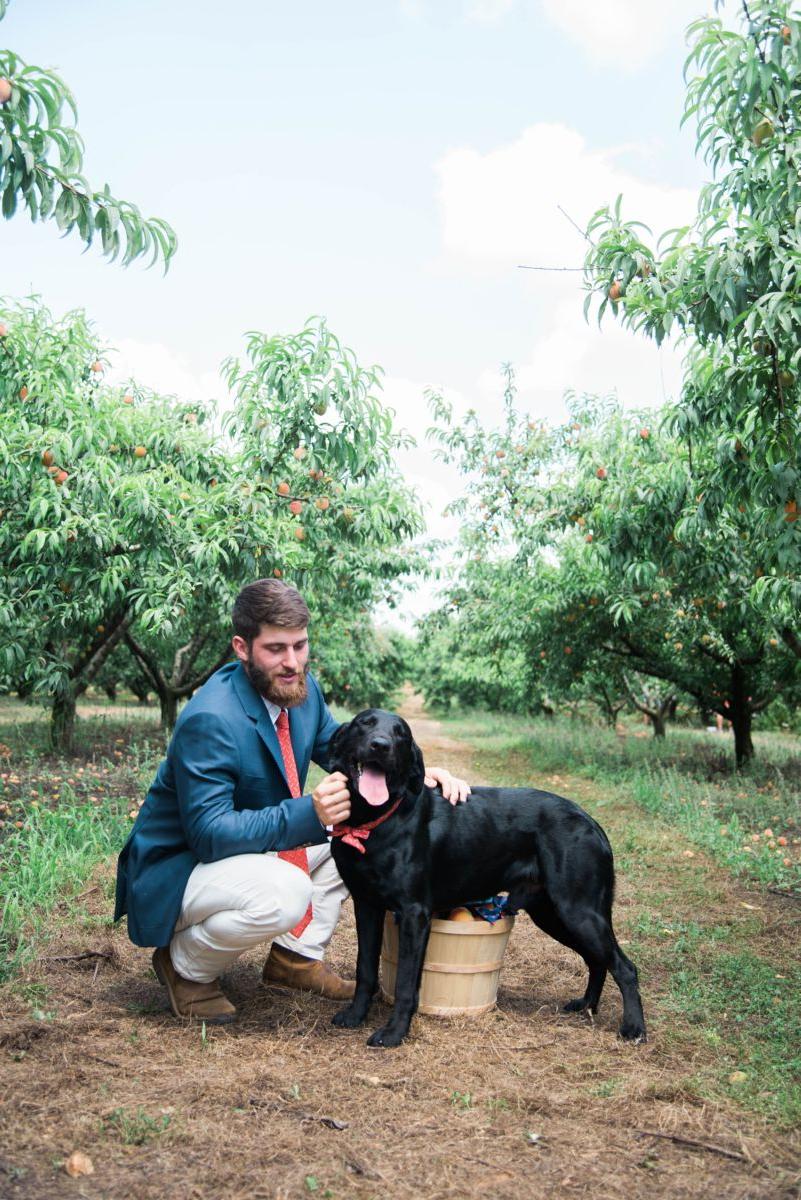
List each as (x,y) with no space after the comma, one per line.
(276,663)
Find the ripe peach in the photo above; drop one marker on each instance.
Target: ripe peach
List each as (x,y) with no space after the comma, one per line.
(139,452)
(296,507)
(601,472)
(791,511)
(300,452)
(283,489)
(97,367)
(300,533)
(60,477)
(3,330)
(5,90)
(47,458)
(127,399)
(277,572)
(645,434)
(323,503)
(23,393)
(615,292)
(786,33)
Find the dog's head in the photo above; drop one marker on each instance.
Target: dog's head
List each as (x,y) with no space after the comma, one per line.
(379,756)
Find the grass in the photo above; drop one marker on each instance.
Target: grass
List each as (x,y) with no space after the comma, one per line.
(60,816)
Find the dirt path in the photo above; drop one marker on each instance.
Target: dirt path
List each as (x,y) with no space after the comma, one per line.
(522,1102)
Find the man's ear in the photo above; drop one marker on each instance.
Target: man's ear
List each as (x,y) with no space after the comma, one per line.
(337,744)
(417,773)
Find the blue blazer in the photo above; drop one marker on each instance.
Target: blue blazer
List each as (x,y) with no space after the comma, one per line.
(220,791)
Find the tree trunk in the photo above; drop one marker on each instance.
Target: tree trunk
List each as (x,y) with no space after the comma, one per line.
(169,709)
(111,690)
(741,717)
(62,721)
(657,719)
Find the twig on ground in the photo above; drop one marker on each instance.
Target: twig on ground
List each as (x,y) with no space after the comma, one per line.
(77,957)
(785,895)
(685,1141)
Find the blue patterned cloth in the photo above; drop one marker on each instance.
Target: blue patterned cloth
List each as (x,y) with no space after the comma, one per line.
(492,910)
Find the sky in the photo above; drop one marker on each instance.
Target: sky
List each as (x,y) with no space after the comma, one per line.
(387,165)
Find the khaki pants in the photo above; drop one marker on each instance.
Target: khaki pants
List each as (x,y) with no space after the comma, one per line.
(234,904)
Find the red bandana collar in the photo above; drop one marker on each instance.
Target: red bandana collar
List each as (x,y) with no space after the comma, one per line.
(354,835)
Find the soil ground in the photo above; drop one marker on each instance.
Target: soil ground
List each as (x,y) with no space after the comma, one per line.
(522,1101)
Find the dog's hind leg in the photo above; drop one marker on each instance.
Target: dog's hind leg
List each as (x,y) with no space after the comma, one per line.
(369,927)
(545,917)
(593,938)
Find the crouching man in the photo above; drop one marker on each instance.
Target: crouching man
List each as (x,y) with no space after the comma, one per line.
(227,851)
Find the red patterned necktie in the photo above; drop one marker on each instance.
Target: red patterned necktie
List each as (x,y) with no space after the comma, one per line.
(299,857)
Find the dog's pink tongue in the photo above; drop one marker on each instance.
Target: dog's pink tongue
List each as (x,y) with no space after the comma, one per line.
(373,786)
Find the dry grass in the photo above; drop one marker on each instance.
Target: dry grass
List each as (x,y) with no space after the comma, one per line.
(523,1101)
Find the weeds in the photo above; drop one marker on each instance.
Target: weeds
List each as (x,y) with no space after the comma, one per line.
(135,1128)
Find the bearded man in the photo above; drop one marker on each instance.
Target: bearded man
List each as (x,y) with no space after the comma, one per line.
(227,852)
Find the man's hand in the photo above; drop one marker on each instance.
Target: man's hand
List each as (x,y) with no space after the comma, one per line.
(331,799)
(453,789)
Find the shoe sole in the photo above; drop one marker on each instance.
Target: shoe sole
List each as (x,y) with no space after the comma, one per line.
(162,978)
(287,987)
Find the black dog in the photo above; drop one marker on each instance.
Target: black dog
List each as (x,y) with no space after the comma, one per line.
(406,850)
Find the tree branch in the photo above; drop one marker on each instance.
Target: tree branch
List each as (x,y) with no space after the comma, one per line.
(188,688)
(148,664)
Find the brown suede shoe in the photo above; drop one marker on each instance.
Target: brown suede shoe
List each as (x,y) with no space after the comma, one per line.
(285,968)
(192,1001)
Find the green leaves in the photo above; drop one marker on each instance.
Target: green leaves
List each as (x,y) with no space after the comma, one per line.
(41,161)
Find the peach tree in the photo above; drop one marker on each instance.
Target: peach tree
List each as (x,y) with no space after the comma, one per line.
(41,168)
(726,286)
(128,518)
(606,560)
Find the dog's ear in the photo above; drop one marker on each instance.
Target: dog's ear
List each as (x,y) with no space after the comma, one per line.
(417,771)
(337,744)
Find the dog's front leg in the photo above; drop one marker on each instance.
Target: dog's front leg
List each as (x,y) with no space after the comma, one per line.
(415,926)
(369,928)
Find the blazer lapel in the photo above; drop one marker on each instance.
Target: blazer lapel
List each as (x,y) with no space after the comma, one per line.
(301,720)
(256,709)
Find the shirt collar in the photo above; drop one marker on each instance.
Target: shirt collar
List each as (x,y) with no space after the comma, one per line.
(274,710)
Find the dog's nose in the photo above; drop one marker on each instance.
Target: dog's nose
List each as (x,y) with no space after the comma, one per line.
(380,743)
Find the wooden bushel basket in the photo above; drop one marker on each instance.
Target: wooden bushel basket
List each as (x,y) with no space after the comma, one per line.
(461,968)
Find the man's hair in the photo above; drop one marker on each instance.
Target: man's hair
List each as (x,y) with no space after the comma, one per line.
(268,602)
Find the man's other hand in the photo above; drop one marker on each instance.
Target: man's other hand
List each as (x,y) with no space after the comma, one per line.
(331,799)
(453,789)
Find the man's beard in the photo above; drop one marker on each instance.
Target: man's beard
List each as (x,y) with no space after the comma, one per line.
(281,694)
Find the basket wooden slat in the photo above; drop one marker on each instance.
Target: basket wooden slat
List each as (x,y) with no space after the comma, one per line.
(461,969)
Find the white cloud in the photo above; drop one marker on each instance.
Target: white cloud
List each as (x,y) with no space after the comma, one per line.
(156,366)
(571,355)
(626,34)
(487,11)
(501,208)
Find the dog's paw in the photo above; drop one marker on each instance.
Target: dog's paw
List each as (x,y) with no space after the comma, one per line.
(348,1018)
(575,1005)
(385,1037)
(633,1031)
